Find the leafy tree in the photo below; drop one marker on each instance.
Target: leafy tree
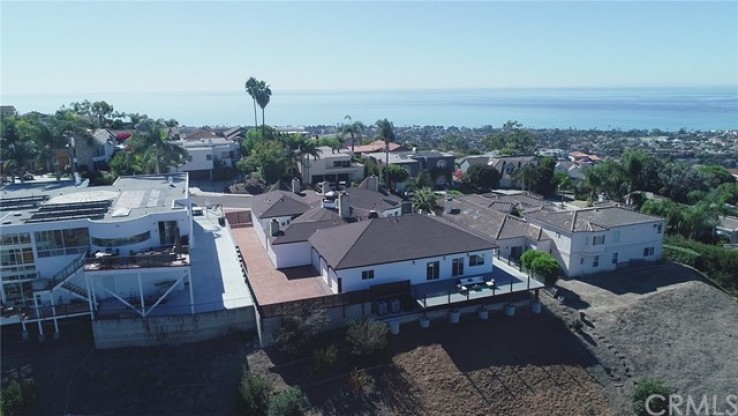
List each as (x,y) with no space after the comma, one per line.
(300,325)
(254,392)
(665,209)
(367,336)
(420,181)
(527,175)
(514,138)
(424,200)
(17,397)
(252,86)
(396,174)
(353,129)
(715,175)
(151,144)
(545,265)
(101,111)
(482,178)
(645,389)
(268,158)
(289,402)
(333,142)
(678,179)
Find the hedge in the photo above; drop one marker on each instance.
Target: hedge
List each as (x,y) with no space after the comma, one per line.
(720,263)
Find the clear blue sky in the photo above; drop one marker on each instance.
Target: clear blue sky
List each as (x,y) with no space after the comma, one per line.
(86,47)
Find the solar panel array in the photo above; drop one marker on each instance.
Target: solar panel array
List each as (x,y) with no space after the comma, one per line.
(25,202)
(78,210)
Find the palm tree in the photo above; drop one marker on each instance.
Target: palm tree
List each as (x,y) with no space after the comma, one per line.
(353,128)
(593,180)
(263,95)
(151,137)
(252,86)
(386,132)
(424,200)
(308,147)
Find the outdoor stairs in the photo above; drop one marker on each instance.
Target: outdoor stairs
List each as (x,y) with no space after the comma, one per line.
(65,274)
(75,290)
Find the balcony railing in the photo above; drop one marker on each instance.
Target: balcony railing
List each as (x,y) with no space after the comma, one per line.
(153,258)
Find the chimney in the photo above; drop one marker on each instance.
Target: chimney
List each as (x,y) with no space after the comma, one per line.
(448,206)
(344,209)
(296,185)
(373,214)
(373,183)
(274,227)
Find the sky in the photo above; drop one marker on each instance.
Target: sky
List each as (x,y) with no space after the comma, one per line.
(63,47)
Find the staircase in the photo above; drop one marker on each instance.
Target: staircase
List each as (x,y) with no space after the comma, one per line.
(60,278)
(75,290)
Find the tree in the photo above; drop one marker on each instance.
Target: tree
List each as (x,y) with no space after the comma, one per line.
(513,138)
(482,178)
(255,392)
(715,175)
(650,397)
(101,110)
(396,174)
(150,143)
(263,96)
(424,200)
(562,181)
(527,175)
(289,402)
(546,266)
(385,132)
(300,325)
(352,128)
(367,336)
(268,158)
(635,165)
(420,181)
(252,86)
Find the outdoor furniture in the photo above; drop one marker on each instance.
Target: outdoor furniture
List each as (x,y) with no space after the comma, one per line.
(491,283)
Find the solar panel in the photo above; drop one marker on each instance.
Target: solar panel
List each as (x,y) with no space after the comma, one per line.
(23,202)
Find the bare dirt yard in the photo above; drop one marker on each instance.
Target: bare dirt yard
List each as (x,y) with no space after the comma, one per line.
(664,322)
(528,364)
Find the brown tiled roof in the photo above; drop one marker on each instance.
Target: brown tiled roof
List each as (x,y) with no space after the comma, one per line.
(394,239)
(376,146)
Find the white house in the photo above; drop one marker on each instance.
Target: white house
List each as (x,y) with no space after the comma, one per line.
(331,166)
(126,243)
(600,239)
(203,154)
(415,248)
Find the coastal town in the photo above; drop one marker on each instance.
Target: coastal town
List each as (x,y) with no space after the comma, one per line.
(408,270)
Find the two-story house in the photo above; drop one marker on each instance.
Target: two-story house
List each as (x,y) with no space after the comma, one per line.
(331,166)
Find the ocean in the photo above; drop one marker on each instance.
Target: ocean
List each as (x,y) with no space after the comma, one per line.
(667,109)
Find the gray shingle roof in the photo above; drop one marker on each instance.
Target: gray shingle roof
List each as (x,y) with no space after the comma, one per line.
(364,200)
(473,211)
(590,219)
(278,204)
(393,239)
(308,223)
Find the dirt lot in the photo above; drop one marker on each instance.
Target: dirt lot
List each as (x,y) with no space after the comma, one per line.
(529,364)
(663,322)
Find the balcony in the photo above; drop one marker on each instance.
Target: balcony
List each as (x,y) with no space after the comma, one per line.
(167,256)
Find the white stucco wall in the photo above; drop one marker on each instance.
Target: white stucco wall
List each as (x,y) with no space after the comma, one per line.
(415,271)
(290,255)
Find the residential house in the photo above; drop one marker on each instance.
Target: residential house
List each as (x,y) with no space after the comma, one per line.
(331,166)
(728,228)
(95,152)
(204,154)
(597,239)
(439,166)
(508,166)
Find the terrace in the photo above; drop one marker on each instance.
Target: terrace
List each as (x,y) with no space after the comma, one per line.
(165,256)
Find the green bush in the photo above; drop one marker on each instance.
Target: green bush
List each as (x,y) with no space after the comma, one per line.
(720,263)
(576,325)
(358,379)
(325,357)
(644,389)
(17,396)
(367,336)
(681,255)
(254,392)
(542,264)
(289,402)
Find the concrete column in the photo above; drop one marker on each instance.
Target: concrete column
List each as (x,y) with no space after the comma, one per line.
(141,293)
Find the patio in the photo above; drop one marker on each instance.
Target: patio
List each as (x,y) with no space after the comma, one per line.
(508,280)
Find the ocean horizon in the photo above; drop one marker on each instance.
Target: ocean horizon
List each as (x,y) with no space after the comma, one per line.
(669,109)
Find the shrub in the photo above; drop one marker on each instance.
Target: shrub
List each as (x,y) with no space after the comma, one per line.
(720,263)
(254,393)
(300,325)
(357,380)
(644,389)
(542,264)
(325,357)
(289,402)
(17,396)
(576,325)
(367,336)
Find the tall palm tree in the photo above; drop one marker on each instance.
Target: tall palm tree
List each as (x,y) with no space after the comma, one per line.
(263,95)
(386,132)
(353,128)
(308,147)
(252,86)
(152,136)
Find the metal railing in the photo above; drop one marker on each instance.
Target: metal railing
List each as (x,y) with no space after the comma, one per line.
(150,259)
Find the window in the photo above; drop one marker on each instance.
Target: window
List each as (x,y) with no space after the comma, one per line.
(61,242)
(457,267)
(367,274)
(598,240)
(648,251)
(581,261)
(441,164)
(596,261)
(123,241)
(432,270)
(616,236)
(476,260)
(586,240)
(614,258)
(208,157)
(660,228)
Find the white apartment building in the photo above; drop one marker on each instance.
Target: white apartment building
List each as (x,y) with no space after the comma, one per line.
(331,166)
(203,153)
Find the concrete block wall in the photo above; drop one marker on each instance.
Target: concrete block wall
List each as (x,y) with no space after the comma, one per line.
(171,330)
